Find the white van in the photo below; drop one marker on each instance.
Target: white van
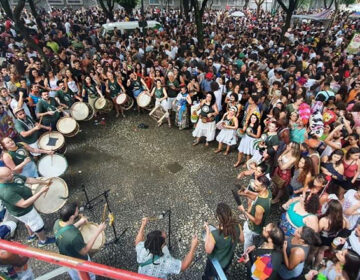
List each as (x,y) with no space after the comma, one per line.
(127,25)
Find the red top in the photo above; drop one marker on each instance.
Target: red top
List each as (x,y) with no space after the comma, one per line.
(350,169)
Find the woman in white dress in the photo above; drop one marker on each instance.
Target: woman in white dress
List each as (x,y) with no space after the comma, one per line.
(229,124)
(252,130)
(51,83)
(206,126)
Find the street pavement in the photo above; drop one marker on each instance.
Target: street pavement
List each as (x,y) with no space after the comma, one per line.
(147,171)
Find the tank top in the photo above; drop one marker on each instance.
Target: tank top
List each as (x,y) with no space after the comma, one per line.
(295,218)
(159,93)
(296,185)
(350,169)
(72,86)
(53,85)
(20,154)
(206,109)
(306,248)
(114,88)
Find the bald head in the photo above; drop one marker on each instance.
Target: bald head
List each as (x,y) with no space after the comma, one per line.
(6,174)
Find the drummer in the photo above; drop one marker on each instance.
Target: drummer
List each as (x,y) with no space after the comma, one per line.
(28,129)
(17,157)
(161,98)
(46,109)
(19,199)
(64,96)
(114,88)
(69,239)
(137,86)
(91,90)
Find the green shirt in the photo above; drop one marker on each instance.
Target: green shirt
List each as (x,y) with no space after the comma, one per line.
(66,98)
(26,125)
(265,204)
(70,242)
(224,246)
(20,154)
(91,91)
(114,88)
(11,193)
(42,106)
(172,93)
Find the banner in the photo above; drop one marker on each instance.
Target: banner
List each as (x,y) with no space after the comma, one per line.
(354,45)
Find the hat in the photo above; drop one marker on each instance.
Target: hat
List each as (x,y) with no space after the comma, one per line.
(18,110)
(182,85)
(209,76)
(312,143)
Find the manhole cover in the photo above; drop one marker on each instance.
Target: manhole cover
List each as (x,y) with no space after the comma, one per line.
(174,167)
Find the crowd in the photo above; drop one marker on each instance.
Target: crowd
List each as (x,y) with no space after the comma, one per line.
(289,104)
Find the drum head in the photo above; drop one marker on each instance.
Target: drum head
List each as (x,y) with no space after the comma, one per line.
(121,99)
(51,141)
(79,111)
(66,125)
(100,103)
(88,231)
(143,100)
(52,165)
(54,199)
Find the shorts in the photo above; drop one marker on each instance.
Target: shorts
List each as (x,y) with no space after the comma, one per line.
(33,220)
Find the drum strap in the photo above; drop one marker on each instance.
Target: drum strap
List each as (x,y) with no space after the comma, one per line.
(149,261)
(62,230)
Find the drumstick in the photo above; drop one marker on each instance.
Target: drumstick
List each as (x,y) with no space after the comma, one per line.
(41,119)
(104,213)
(50,181)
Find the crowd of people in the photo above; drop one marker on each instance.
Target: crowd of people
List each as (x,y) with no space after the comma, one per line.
(288,102)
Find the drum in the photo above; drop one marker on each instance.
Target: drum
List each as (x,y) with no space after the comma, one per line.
(52,165)
(143,100)
(54,198)
(68,126)
(88,230)
(52,141)
(125,101)
(103,105)
(81,111)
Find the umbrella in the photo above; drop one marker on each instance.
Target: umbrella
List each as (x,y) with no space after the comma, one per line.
(237,14)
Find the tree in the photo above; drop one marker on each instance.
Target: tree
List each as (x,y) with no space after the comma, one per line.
(128,5)
(36,16)
(246,4)
(108,8)
(289,10)
(348,2)
(20,28)
(258,5)
(198,13)
(187,7)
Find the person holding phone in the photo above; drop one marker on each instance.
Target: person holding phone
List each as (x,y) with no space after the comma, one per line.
(220,243)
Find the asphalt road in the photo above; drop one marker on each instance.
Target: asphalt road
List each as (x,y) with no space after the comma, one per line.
(147,171)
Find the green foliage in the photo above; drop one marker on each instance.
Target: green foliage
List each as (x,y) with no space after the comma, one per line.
(128,5)
(347,2)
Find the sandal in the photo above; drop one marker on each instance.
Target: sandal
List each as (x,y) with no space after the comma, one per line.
(217,151)
(207,144)
(226,153)
(196,142)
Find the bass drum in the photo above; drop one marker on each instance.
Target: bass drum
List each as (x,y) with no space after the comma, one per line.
(88,230)
(81,111)
(68,126)
(54,198)
(144,100)
(52,165)
(52,141)
(103,105)
(124,101)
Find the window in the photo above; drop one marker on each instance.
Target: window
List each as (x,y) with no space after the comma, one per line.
(231,2)
(154,2)
(216,3)
(56,2)
(74,2)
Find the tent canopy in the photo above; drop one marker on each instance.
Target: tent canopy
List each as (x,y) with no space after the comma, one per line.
(323,16)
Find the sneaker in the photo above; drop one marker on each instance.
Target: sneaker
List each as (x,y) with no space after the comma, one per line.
(31,238)
(49,240)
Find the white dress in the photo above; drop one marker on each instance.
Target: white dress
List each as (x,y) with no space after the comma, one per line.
(205,129)
(226,135)
(247,145)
